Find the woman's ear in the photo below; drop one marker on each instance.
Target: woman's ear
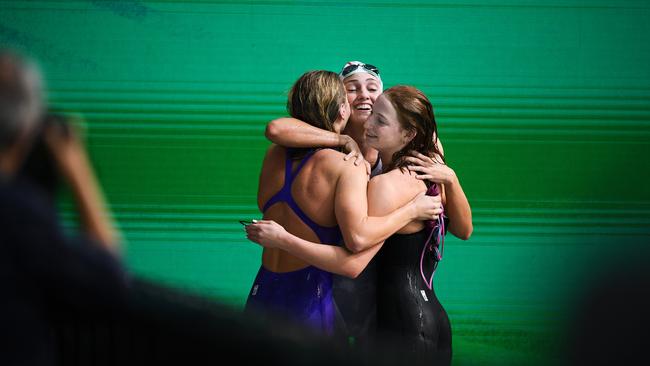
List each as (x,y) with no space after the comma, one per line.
(408,135)
(344,111)
(342,119)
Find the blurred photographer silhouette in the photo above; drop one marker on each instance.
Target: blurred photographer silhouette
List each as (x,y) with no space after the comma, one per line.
(42,269)
(57,156)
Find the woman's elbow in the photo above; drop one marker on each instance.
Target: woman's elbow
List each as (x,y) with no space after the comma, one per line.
(357,243)
(352,271)
(273,130)
(465,233)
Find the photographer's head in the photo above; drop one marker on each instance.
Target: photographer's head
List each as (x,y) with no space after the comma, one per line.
(21,106)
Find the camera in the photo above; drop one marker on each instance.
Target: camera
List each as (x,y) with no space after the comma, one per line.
(39,166)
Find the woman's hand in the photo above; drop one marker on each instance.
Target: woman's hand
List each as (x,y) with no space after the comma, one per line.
(266,233)
(354,151)
(430,169)
(427,207)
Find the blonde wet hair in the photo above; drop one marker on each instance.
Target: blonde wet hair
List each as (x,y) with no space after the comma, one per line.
(316,98)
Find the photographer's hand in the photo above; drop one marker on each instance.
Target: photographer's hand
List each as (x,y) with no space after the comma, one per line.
(72,160)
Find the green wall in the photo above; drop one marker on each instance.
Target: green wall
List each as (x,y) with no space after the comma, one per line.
(543,109)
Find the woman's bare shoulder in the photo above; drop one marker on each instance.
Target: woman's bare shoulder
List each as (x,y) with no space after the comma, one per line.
(274,151)
(396,178)
(397,183)
(328,154)
(335,159)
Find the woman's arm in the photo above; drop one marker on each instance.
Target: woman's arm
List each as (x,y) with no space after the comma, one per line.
(458,209)
(291,132)
(361,231)
(456,204)
(383,199)
(339,260)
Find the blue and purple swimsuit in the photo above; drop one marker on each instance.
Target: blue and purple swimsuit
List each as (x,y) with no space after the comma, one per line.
(304,295)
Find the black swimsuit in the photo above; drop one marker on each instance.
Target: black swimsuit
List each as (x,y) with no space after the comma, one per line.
(408,312)
(355,301)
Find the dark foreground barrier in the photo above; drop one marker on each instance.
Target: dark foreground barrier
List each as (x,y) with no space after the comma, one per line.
(164,326)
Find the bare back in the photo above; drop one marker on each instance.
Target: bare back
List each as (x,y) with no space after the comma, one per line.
(313,189)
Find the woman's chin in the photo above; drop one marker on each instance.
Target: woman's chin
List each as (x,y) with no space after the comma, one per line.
(360,116)
(370,142)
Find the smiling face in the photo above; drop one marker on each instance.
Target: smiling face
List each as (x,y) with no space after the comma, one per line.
(384,132)
(362,91)
(402,121)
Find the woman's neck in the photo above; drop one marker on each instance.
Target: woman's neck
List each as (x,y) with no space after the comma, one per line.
(387,157)
(356,131)
(358,134)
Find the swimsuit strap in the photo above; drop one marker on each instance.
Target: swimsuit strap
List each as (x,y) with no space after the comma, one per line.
(326,235)
(438,230)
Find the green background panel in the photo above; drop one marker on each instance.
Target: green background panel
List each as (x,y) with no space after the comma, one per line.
(543,109)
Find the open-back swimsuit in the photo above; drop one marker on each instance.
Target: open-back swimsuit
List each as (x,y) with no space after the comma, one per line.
(303,296)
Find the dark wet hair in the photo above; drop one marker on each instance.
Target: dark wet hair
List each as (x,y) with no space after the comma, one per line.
(415,113)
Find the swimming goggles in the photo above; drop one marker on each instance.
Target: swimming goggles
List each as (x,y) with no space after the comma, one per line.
(353,66)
